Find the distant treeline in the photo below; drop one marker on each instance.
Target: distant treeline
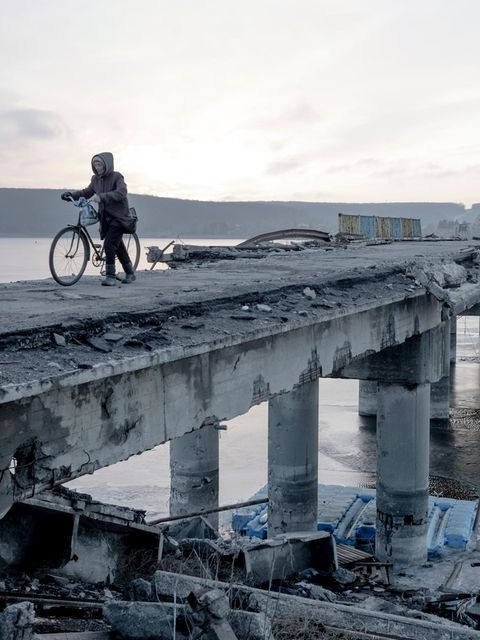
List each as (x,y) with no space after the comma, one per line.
(40,212)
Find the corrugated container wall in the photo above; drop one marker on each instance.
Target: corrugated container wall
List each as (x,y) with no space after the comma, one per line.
(349,224)
(383,227)
(396,227)
(379,226)
(367,226)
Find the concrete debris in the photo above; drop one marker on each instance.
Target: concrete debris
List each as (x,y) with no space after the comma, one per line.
(309,293)
(249,625)
(374,603)
(16,622)
(436,278)
(344,577)
(59,340)
(110,336)
(454,275)
(55,365)
(282,606)
(206,616)
(323,304)
(198,527)
(187,254)
(263,562)
(192,325)
(213,602)
(175,586)
(316,592)
(146,620)
(264,307)
(141,590)
(243,316)
(227,624)
(77,537)
(99,344)
(281,557)
(211,607)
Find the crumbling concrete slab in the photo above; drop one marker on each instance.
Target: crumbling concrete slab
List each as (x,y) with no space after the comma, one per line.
(248,625)
(158,620)
(76,536)
(16,622)
(145,620)
(352,618)
(287,554)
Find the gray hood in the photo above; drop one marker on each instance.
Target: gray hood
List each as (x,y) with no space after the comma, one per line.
(107,158)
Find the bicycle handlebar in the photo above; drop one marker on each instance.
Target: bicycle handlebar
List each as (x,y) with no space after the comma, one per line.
(81,202)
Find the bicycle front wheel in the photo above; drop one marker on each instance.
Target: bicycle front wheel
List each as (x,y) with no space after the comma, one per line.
(132,244)
(69,254)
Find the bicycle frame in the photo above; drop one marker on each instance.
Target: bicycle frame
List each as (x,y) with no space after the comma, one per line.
(82,229)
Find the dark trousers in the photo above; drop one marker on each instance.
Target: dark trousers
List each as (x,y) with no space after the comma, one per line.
(114,246)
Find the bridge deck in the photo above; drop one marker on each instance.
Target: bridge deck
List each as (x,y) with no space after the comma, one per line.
(195,304)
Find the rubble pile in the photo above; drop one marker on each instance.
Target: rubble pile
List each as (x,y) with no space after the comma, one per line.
(294,586)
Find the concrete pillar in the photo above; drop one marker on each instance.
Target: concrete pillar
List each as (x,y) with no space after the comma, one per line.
(453,339)
(403,433)
(293,460)
(440,399)
(440,391)
(367,397)
(194,473)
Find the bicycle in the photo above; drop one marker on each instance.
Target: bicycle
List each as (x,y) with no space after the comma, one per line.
(73,246)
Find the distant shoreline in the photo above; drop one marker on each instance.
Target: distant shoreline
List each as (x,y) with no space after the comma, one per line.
(12,236)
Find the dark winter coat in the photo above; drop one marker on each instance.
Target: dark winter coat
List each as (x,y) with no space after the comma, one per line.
(112,190)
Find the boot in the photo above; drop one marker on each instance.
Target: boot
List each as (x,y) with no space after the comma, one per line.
(109,280)
(129,274)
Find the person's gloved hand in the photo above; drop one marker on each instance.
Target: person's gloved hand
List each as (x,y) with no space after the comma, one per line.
(66,195)
(95,198)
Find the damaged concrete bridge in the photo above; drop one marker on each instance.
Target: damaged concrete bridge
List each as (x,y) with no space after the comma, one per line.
(90,376)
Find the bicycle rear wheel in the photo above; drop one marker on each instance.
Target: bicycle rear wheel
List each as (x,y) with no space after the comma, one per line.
(69,254)
(133,247)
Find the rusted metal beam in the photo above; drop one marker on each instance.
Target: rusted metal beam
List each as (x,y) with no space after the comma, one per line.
(226,507)
(51,601)
(80,635)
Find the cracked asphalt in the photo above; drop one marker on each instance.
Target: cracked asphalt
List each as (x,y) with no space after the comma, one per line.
(47,330)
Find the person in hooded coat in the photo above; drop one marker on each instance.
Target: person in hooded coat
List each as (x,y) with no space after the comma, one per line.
(108,189)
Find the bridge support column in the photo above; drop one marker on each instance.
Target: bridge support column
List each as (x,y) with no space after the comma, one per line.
(440,399)
(405,373)
(293,460)
(194,462)
(440,391)
(367,397)
(403,432)
(453,339)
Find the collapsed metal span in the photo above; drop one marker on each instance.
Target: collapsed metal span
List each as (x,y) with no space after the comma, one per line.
(284,234)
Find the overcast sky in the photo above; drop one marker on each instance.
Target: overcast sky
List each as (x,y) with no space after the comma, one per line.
(328,100)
